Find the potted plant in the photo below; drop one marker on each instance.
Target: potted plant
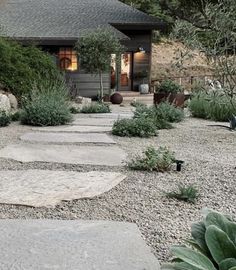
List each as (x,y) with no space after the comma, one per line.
(142,76)
(170,91)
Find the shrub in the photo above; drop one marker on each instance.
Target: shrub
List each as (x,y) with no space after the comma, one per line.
(213,246)
(162,115)
(139,127)
(184,193)
(135,104)
(169,86)
(5,119)
(169,112)
(213,105)
(74,110)
(153,160)
(15,116)
(96,108)
(46,105)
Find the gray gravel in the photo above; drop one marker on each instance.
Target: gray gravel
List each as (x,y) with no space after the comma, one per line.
(210,164)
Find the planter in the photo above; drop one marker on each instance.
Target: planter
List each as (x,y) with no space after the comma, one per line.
(176,99)
(144,89)
(116,98)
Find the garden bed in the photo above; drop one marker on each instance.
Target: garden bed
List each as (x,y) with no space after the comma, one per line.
(209,154)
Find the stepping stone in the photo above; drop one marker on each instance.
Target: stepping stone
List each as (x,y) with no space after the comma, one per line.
(75,129)
(67,138)
(69,154)
(40,188)
(114,116)
(70,245)
(93,122)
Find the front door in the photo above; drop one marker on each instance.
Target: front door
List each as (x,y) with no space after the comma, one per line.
(126,72)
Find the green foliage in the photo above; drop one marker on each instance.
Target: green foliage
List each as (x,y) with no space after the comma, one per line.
(153,159)
(214,106)
(5,119)
(135,104)
(95,50)
(20,66)
(97,107)
(169,86)
(213,246)
(162,115)
(138,127)
(74,110)
(46,105)
(15,116)
(184,193)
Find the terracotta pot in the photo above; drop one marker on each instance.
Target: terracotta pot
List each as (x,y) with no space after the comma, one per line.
(176,99)
(116,98)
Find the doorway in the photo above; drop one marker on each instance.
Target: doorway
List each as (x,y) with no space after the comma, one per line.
(126,72)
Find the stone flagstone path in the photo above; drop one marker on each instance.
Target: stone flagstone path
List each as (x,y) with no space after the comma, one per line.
(74,129)
(48,188)
(70,245)
(50,137)
(68,154)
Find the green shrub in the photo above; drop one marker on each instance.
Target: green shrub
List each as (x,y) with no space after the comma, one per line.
(169,86)
(184,193)
(162,115)
(46,105)
(153,159)
(135,104)
(212,246)
(96,108)
(169,112)
(15,116)
(74,110)
(139,127)
(22,65)
(5,119)
(213,106)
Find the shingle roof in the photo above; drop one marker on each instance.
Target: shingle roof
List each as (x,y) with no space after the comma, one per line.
(66,18)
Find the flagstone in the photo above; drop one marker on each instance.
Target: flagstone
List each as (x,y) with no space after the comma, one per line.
(75,129)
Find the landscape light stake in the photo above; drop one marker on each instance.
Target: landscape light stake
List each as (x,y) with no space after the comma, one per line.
(179,164)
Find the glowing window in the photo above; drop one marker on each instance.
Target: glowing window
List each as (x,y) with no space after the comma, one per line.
(68,59)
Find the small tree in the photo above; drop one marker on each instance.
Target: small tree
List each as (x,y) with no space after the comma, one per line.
(95,50)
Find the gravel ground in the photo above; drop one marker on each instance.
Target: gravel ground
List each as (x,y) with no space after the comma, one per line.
(210,163)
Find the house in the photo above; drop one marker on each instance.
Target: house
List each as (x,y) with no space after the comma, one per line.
(56,25)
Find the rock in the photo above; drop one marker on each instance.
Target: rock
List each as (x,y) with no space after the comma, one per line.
(5,103)
(82,100)
(13,101)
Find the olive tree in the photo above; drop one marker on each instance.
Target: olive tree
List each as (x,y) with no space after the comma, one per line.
(95,50)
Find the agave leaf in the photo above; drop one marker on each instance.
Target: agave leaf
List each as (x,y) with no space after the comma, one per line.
(222,223)
(227,264)
(193,258)
(198,231)
(219,244)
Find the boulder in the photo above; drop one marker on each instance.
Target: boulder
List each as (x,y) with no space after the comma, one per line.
(13,101)
(83,101)
(5,103)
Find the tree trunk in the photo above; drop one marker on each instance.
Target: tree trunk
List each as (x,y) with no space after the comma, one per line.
(101,87)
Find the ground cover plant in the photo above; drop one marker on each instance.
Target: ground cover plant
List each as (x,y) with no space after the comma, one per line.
(213,105)
(211,247)
(152,159)
(74,110)
(20,66)
(139,127)
(184,193)
(46,105)
(97,107)
(5,119)
(15,116)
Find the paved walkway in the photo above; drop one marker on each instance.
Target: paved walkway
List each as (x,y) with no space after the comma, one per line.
(70,245)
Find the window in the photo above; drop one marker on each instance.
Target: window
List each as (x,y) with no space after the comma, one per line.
(68,59)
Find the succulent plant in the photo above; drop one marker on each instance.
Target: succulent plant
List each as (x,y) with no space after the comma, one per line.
(212,247)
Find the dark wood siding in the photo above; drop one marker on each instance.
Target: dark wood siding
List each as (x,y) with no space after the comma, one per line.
(88,85)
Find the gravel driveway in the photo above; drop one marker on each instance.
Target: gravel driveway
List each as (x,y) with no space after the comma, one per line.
(210,163)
